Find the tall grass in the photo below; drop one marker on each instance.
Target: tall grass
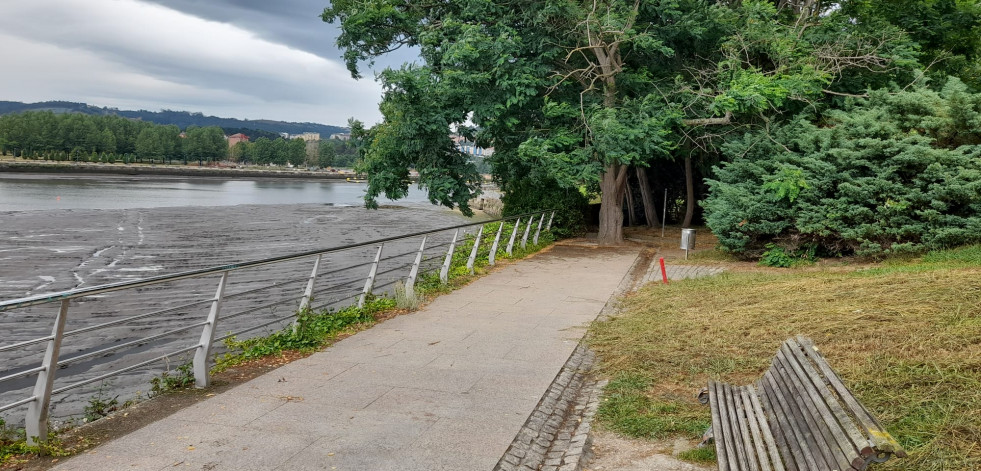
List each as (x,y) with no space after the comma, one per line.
(906,337)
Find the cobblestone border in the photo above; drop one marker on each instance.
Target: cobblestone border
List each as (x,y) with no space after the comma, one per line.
(556,435)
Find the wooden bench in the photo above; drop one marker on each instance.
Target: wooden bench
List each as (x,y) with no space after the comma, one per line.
(798,417)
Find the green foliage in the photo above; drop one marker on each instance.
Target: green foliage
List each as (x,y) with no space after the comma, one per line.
(896,173)
(181,378)
(628,409)
(311,331)
(780,257)
(970,255)
(100,405)
(13,443)
(705,454)
(568,91)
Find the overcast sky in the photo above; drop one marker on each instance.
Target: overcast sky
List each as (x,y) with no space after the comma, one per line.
(231,58)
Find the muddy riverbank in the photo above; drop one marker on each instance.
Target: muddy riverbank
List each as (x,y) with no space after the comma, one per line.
(55,250)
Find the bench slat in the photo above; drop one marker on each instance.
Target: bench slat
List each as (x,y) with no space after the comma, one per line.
(789,421)
(769,441)
(776,428)
(745,417)
(736,434)
(877,434)
(754,428)
(723,447)
(850,438)
(823,433)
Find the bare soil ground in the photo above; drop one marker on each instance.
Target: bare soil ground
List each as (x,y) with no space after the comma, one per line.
(612,452)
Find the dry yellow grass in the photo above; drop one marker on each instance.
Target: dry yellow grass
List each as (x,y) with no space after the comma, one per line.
(906,338)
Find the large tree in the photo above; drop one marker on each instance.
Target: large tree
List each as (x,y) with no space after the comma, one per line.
(573,93)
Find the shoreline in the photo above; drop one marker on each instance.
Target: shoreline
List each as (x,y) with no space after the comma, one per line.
(166,170)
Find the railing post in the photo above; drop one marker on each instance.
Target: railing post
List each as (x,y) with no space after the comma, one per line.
(370,282)
(538,230)
(473,251)
(411,282)
(308,293)
(36,423)
(444,273)
(201,376)
(524,239)
(497,239)
(548,226)
(514,232)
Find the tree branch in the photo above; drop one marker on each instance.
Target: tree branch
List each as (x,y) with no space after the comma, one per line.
(727,119)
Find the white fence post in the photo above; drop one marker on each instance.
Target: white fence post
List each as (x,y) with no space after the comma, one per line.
(36,423)
(524,239)
(411,282)
(473,251)
(370,282)
(538,230)
(514,232)
(201,376)
(308,293)
(549,225)
(444,273)
(497,239)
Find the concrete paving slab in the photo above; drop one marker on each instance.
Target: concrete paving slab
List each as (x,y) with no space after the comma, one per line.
(447,387)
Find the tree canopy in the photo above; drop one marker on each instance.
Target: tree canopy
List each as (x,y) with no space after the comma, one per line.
(571,94)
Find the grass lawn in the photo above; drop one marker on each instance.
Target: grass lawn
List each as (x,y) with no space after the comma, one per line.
(905,336)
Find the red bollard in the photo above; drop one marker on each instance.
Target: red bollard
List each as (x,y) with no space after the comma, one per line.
(664,273)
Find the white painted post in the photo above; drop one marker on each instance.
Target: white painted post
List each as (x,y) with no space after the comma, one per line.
(370,282)
(548,227)
(538,230)
(514,232)
(524,239)
(411,282)
(473,251)
(308,293)
(201,377)
(497,239)
(444,273)
(36,423)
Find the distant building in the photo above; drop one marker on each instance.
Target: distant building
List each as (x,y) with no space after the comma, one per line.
(341,136)
(307,136)
(467,147)
(236,138)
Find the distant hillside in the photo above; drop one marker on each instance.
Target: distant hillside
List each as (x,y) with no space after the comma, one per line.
(182,119)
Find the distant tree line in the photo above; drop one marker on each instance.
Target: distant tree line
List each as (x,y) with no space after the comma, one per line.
(265,151)
(336,153)
(110,138)
(182,119)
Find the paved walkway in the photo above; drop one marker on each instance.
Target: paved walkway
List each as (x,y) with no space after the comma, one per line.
(445,388)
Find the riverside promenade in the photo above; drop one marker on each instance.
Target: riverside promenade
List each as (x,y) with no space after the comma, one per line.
(445,388)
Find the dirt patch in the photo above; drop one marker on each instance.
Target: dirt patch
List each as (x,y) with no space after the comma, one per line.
(611,452)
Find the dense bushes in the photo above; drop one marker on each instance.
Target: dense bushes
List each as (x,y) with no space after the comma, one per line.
(897,172)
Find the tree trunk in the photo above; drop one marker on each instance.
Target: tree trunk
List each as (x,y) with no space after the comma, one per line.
(650,212)
(631,218)
(690,193)
(612,185)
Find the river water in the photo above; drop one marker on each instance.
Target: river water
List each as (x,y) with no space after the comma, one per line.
(29,192)
(60,232)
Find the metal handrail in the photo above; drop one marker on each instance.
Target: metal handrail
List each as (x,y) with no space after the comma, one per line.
(82,292)
(39,400)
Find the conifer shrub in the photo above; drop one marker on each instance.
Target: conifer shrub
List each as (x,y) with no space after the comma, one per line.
(895,173)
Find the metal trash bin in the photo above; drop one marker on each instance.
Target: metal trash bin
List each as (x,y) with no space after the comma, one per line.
(688,239)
